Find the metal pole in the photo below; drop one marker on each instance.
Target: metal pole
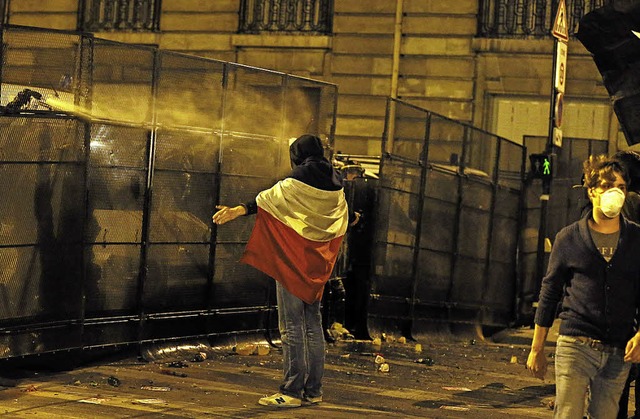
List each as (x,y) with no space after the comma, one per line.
(546,184)
(395,71)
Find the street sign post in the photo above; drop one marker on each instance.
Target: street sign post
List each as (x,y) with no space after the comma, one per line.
(557,137)
(560,28)
(560,31)
(561,66)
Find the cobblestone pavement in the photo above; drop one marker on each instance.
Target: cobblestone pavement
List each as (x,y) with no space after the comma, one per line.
(451,377)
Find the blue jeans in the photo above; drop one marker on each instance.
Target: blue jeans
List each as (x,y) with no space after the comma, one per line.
(581,371)
(300,327)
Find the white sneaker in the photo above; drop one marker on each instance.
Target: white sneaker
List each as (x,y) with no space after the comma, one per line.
(312,400)
(280,400)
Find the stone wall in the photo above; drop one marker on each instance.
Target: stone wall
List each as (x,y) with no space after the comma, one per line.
(442,66)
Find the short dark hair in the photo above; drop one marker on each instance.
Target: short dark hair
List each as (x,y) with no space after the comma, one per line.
(600,167)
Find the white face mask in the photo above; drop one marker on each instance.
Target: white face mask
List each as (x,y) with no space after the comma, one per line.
(611,202)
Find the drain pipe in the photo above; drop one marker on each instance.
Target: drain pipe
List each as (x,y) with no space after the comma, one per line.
(395,70)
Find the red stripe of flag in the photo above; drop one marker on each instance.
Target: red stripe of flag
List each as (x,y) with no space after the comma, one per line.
(301,265)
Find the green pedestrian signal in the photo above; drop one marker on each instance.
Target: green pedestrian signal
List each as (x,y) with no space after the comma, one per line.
(541,166)
(546,167)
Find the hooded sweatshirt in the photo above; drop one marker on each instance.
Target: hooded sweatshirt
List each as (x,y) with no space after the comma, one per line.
(300,224)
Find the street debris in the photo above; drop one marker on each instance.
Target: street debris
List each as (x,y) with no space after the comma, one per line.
(199,357)
(30,388)
(177,364)
(514,359)
(388,338)
(252,349)
(173,350)
(418,348)
(379,359)
(456,408)
(93,400)
(402,340)
(337,331)
(149,401)
(155,388)
(384,367)
(244,349)
(456,388)
(426,361)
(113,381)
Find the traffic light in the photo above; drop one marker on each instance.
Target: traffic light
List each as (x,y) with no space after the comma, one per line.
(541,166)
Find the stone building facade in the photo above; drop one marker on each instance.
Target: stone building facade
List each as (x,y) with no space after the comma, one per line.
(435,61)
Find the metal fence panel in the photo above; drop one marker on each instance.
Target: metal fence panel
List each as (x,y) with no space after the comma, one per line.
(122,80)
(43,198)
(450,229)
(113,158)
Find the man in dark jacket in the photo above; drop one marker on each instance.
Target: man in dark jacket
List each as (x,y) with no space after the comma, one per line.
(300,224)
(594,269)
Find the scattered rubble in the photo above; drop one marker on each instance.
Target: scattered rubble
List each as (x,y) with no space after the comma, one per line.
(199,357)
(337,331)
(113,381)
(252,349)
(93,400)
(155,388)
(177,364)
(149,401)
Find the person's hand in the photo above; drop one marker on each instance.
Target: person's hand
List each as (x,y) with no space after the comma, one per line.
(632,351)
(355,219)
(226,214)
(537,364)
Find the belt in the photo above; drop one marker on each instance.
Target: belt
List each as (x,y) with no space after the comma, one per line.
(596,344)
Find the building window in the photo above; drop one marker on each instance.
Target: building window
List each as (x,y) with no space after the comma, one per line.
(286,16)
(119,15)
(529,18)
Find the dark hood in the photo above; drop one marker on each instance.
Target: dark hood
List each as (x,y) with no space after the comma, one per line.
(305,147)
(310,166)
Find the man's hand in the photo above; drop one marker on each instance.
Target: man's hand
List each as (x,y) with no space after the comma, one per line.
(356,218)
(632,351)
(226,214)
(537,364)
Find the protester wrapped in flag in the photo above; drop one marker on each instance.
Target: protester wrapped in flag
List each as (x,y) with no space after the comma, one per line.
(297,235)
(299,227)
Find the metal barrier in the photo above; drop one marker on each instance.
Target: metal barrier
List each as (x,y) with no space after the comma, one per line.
(112,159)
(447,229)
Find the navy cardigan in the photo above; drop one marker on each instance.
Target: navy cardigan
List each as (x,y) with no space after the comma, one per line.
(599,298)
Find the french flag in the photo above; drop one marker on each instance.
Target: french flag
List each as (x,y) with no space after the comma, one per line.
(297,236)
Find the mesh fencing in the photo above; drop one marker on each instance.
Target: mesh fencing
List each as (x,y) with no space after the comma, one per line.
(113,158)
(448,224)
